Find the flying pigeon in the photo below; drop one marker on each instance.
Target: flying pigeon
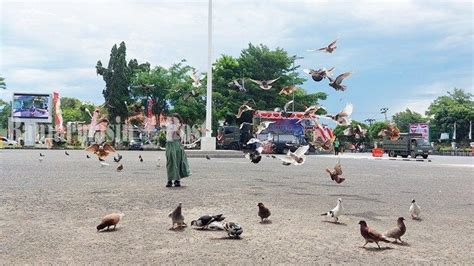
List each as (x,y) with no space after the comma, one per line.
(296,158)
(310,112)
(336,174)
(342,118)
(204,221)
(336,212)
(263,125)
(245,123)
(235,84)
(371,235)
(264,84)
(233,230)
(120,168)
(196,77)
(358,132)
(391,131)
(320,74)
(242,109)
(65,152)
(263,212)
(101,150)
(328,49)
(398,231)
(414,210)
(192,93)
(337,83)
(177,218)
(288,90)
(110,220)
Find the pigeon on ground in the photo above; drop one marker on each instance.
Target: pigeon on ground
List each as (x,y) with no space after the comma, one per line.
(391,131)
(371,235)
(87,156)
(414,210)
(233,230)
(342,118)
(336,173)
(110,220)
(263,212)
(336,212)
(216,226)
(262,126)
(337,83)
(328,49)
(235,84)
(264,84)
(103,164)
(140,158)
(101,150)
(42,155)
(120,168)
(208,157)
(116,159)
(242,109)
(296,158)
(196,77)
(288,90)
(204,221)
(398,231)
(177,217)
(358,132)
(65,152)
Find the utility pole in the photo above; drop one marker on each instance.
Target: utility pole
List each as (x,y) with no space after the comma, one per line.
(370,121)
(295,57)
(384,111)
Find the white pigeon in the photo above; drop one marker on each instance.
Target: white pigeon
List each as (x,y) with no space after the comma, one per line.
(103,164)
(287,105)
(414,210)
(296,158)
(336,212)
(263,125)
(216,226)
(196,77)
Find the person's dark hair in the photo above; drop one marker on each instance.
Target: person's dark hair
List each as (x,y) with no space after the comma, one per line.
(177,116)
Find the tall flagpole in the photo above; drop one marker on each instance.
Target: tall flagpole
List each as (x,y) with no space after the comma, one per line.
(208,143)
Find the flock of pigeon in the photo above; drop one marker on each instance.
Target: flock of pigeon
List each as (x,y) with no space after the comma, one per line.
(254,154)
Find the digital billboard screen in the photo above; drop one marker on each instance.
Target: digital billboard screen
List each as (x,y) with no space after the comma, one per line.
(31,106)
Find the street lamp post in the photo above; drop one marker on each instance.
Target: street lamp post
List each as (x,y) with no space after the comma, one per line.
(208,143)
(384,111)
(370,121)
(295,57)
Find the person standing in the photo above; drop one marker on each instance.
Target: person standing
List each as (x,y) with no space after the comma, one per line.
(177,166)
(336,146)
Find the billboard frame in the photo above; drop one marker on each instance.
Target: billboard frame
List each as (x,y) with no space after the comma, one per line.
(33,120)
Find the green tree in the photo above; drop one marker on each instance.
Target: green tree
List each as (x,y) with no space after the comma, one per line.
(405,118)
(73,109)
(375,129)
(258,63)
(117,77)
(3,85)
(457,106)
(5,113)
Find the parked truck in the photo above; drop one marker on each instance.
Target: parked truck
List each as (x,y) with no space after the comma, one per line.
(411,144)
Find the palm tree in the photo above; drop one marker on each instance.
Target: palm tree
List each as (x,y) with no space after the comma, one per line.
(3,85)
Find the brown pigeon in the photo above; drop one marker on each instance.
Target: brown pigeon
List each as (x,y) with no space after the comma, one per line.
(288,90)
(263,212)
(336,174)
(177,217)
(392,132)
(110,220)
(398,231)
(120,168)
(264,84)
(371,235)
(242,109)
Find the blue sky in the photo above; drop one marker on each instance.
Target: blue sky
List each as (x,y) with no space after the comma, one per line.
(402,53)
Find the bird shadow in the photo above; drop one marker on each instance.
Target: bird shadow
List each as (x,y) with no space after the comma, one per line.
(109,230)
(404,244)
(266,222)
(376,249)
(226,238)
(178,229)
(335,223)
(417,219)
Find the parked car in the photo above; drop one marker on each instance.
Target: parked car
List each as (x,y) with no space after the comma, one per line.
(8,142)
(135,144)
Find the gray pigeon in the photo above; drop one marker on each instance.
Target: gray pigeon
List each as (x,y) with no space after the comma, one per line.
(177,218)
(397,232)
